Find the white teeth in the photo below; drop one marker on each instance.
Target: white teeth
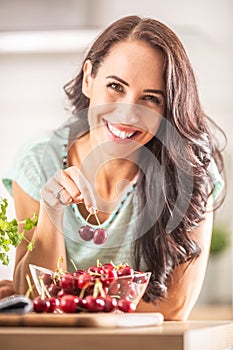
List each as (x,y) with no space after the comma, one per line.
(118,133)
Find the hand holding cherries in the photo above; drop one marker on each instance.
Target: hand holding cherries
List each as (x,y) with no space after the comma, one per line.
(100,288)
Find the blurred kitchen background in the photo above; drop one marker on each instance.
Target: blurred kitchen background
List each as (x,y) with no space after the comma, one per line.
(42,43)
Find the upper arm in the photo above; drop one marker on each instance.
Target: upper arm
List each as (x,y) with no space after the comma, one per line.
(187,279)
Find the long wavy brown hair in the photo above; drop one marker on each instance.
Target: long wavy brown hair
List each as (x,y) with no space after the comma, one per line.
(167,243)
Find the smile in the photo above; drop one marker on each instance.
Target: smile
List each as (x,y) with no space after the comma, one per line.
(122,134)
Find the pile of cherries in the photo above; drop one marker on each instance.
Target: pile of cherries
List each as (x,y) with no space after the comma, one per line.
(98,289)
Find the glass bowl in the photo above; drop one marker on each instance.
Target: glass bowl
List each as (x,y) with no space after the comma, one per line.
(124,291)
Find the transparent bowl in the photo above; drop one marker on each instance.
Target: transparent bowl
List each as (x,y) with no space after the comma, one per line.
(129,287)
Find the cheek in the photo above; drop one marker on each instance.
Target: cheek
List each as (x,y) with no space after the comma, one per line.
(95,117)
(152,124)
(98,94)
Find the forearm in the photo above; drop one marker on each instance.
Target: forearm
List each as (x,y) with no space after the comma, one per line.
(187,279)
(176,309)
(49,246)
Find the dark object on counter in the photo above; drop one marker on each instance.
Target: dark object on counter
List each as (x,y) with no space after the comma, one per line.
(18,304)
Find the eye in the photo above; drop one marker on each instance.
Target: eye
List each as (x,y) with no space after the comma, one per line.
(152,98)
(116,87)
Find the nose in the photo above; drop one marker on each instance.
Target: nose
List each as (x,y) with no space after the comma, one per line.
(128,113)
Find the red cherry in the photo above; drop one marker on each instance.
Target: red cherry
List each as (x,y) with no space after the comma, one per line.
(62,293)
(39,305)
(94,304)
(67,282)
(140,278)
(125,286)
(125,271)
(86,232)
(81,304)
(77,273)
(108,266)
(84,279)
(69,303)
(126,305)
(108,277)
(46,278)
(110,304)
(96,269)
(52,304)
(100,236)
(53,290)
(113,288)
(89,290)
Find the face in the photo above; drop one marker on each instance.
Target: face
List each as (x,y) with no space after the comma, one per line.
(127,98)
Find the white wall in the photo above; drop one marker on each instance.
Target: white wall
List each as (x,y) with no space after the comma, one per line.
(31,103)
(31,96)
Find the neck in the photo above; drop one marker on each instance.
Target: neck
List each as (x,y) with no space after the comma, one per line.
(109,177)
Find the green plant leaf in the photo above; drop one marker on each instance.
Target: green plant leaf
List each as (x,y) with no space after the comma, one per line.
(220,239)
(9,232)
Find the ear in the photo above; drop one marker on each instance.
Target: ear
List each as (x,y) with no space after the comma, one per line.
(87,78)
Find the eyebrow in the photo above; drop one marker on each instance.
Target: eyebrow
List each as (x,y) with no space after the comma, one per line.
(152,91)
(118,79)
(160,92)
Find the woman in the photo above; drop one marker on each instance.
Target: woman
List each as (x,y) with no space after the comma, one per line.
(137,159)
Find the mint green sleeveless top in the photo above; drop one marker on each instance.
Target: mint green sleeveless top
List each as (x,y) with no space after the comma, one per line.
(36,162)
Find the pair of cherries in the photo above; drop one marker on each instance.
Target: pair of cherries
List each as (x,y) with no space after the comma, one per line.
(99,235)
(87,233)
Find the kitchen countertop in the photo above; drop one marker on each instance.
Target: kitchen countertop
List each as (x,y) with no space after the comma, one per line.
(174,335)
(212,312)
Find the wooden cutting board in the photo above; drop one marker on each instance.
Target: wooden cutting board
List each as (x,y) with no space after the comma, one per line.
(82,320)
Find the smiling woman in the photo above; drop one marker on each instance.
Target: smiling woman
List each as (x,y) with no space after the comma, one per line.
(117,82)
(136,160)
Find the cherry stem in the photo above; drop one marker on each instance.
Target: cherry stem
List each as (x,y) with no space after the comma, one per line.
(94,273)
(111,262)
(98,263)
(88,217)
(119,266)
(102,292)
(98,288)
(44,290)
(30,287)
(73,263)
(59,261)
(97,219)
(88,284)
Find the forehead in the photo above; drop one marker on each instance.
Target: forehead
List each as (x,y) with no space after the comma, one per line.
(134,59)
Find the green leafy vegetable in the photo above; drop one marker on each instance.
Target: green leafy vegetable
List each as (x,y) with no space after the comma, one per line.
(9,232)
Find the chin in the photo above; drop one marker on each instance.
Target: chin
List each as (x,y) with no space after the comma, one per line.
(119,150)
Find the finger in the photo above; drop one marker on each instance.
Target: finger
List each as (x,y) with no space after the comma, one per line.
(91,209)
(63,196)
(68,181)
(83,190)
(87,190)
(54,194)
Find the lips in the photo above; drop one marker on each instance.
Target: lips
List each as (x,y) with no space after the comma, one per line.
(120,132)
